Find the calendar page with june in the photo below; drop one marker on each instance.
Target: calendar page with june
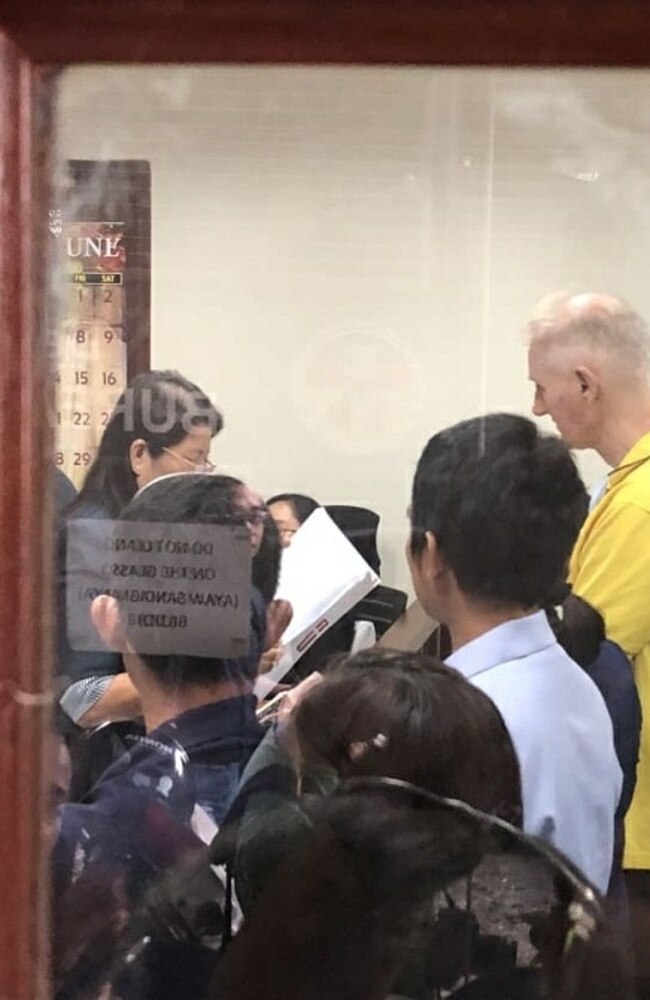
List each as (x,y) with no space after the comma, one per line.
(92,367)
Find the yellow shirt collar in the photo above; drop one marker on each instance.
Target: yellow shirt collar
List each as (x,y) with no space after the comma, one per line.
(637,455)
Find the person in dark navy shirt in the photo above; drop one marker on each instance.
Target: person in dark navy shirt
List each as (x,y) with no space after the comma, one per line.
(580,629)
(168,794)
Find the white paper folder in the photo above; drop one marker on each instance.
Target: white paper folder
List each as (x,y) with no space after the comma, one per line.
(323,576)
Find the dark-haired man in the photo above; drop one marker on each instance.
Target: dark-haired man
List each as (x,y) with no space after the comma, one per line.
(199,712)
(496,508)
(157,804)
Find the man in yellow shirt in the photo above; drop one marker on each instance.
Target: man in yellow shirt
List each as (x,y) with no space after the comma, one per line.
(589,359)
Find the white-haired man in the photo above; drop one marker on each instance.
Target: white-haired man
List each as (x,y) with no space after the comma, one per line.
(589,359)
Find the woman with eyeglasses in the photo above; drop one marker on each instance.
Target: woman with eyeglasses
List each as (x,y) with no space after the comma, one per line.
(162,424)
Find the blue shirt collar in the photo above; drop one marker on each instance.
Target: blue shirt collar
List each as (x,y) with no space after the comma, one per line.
(512,640)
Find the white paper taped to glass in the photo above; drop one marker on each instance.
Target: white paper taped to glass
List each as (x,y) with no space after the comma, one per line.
(323,576)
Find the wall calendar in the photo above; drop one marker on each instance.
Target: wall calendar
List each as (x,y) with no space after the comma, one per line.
(103,242)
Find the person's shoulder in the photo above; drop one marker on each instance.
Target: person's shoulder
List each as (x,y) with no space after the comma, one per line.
(612,672)
(566,679)
(634,491)
(611,654)
(212,729)
(83,826)
(64,492)
(90,509)
(619,515)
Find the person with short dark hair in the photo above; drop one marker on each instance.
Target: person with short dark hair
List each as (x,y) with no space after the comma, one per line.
(496,507)
(289,511)
(202,708)
(160,801)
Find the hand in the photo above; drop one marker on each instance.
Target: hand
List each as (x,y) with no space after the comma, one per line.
(285,715)
(270,658)
(294,696)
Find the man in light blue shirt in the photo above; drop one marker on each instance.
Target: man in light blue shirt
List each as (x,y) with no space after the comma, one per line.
(495,510)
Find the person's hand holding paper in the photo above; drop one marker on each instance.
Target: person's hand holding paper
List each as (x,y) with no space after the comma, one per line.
(323,577)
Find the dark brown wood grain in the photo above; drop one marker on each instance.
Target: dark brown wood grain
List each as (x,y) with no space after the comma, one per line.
(25,543)
(42,33)
(453,32)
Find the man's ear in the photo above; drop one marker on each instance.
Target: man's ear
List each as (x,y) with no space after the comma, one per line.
(105,615)
(432,563)
(138,455)
(588,383)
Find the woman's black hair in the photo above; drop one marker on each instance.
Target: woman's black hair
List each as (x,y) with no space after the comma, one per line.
(159,407)
(266,561)
(301,505)
(414,719)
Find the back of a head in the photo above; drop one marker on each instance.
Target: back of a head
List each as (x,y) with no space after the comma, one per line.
(596,321)
(579,629)
(405,715)
(195,498)
(158,407)
(301,504)
(505,504)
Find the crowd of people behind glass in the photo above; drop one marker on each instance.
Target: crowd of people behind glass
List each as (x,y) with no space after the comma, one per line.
(395,825)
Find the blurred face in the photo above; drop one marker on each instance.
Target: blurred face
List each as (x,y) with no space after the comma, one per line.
(256,514)
(188,455)
(286,521)
(565,391)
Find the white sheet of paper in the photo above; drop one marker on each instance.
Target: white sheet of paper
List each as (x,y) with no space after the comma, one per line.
(323,576)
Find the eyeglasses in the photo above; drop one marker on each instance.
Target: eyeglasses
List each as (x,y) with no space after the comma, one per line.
(204,466)
(255,515)
(249,516)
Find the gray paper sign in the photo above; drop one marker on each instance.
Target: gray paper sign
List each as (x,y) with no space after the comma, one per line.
(182,589)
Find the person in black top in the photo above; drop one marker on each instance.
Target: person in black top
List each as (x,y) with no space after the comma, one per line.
(64,492)
(580,630)
(161,424)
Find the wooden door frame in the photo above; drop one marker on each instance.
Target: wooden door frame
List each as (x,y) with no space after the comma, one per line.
(425,32)
(36,36)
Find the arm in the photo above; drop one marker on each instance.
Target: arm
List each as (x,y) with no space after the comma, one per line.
(94,688)
(610,569)
(272,821)
(118,701)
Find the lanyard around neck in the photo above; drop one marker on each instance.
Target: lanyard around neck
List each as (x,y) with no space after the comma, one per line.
(630,466)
